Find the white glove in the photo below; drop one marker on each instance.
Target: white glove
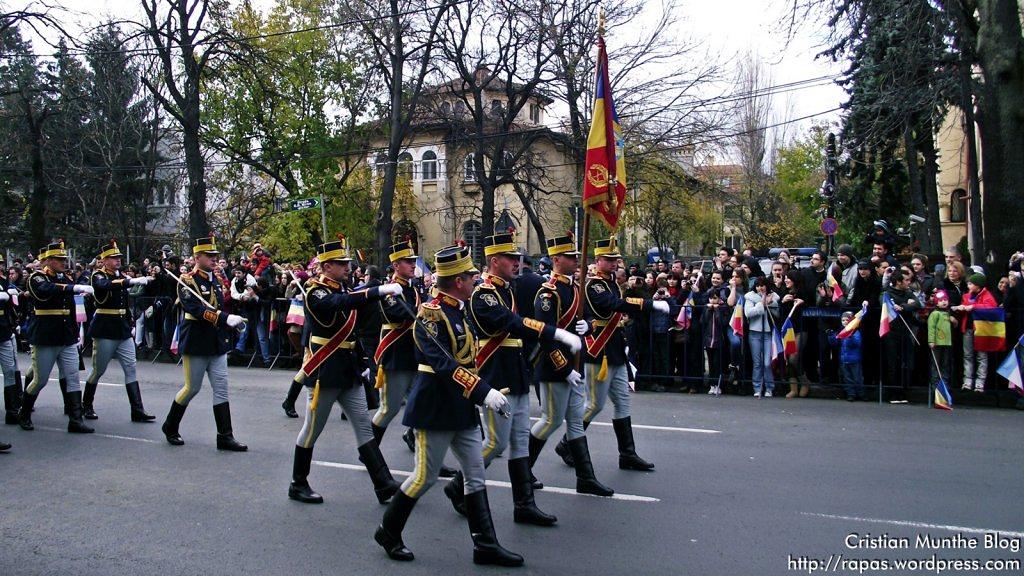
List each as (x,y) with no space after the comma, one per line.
(82,289)
(575,379)
(148,313)
(581,327)
(4,296)
(139,281)
(569,339)
(390,289)
(235,321)
(366,374)
(13,292)
(495,400)
(661,306)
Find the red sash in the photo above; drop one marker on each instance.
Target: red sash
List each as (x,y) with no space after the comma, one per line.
(317,358)
(390,338)
(488,350)
(570,314)
(596,345)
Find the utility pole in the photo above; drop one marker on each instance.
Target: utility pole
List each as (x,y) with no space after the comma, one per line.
(829,225)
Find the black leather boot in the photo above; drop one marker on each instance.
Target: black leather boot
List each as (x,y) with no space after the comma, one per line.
(378,432)
(170,426)
(75,423)
(289,401)
(562,449)
(12,401)
(525,511)
(87,400)
(586,481)
(410,439)
(4,447)
(454,491)
(628,459)
(25,413)
(135,401)
(535,447)
(486,549)
(389,532)
(299,488)
(384,485)
(225,438)
(372,399)
(64,393)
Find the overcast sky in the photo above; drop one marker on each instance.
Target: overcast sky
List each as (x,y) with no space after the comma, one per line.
(729,27)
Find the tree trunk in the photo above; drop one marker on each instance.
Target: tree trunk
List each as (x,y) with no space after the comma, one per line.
(913,179)
(37,202)
(1001,55)
(531,213)
(931,187)
(195,168)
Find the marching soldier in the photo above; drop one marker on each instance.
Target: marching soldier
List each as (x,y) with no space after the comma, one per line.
(395,355)
(606,363)
(8,350)
(53,334)
(111,331)
(500,360)
(442,410)
(204,339)
(333,370)
(561,386)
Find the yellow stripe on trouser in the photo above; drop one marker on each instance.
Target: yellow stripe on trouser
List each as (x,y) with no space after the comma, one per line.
(382,411)
(420,471)
(593,399)
(314,403)
(492,434)
(186,391)
(95,356)
(33,388)
(550,410)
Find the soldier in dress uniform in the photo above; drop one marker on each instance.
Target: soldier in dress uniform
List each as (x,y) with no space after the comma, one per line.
(204,338)
(442,411)
(53,334)
(333,370)
(395,355)
(8,350)
(500,360)
(605,352)
(111,331)
(558,302)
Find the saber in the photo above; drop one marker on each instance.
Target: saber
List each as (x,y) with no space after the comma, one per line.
(298,284)
(416,319)
(191,291)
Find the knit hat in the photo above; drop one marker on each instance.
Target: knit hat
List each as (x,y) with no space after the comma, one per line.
(864,264)
(977,279)
(846,250)
(941,295)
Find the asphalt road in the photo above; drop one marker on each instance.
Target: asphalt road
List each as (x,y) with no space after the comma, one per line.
(741,485)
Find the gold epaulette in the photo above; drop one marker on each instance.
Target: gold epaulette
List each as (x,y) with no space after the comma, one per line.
(431,312)
(549,285)
(486,286)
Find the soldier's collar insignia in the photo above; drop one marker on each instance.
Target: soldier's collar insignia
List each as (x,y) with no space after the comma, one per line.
(48,271)
(449,300)
(328,282)
(561,278)
(494,280)
(398,279)
(108,271)
(201,273)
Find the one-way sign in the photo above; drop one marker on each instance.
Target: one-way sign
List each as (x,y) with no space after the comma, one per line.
(303,204)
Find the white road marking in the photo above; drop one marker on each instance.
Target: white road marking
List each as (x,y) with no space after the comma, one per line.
(500,484)
(915,524)
(100,383)
(662,428)
(114,436)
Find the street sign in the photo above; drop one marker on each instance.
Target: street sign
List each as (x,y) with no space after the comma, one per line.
(304,203)
(829,226)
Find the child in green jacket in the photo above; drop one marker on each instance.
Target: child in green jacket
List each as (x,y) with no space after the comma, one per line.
(940,336)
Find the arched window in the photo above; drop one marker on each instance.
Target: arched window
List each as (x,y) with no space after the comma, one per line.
(428,166)
(958,205)
(405,166)
(446,110)
(379,163)
(460,109)
(469,172)
(507,164)
(472,234)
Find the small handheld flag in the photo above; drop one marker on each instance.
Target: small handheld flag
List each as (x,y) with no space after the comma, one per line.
(778,350)
(889,315)
(736,321)
(174,341)
(853,324)
(296,315)
(943,399)
(1013,367)
(989,329)
(837,288)
(685,317)
(789,338)
(79,308)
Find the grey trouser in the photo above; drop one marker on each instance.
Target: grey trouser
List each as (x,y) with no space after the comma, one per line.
(431,447)
(9,360)
(318,410)
(43,359)
(560,401)
(499,431)
(215,367)
(396,385)
(104,349)
(971,356)
(615,384)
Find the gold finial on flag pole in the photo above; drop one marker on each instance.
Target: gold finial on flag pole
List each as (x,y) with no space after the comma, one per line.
(600,21)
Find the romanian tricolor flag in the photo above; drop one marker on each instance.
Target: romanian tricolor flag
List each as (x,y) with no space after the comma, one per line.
(853,324)
(80,308)
(604,179)
(889,315)
(685,317)
(989,329)
(779,350)
(296,314)
(174,341)
(1013,367)
(788,338)
(943,399)
(736,321)
(837,288)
